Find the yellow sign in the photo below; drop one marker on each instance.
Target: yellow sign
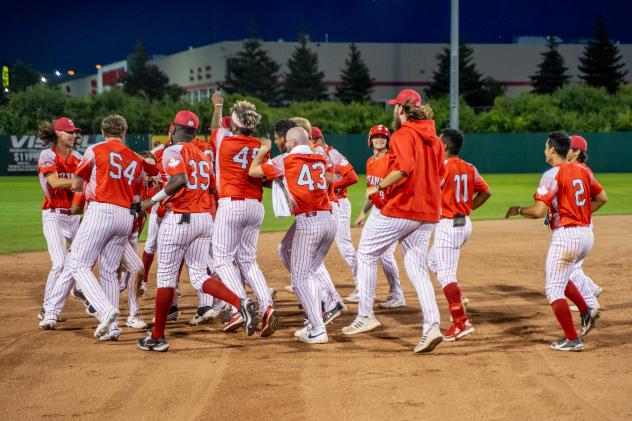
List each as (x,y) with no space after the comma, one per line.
(5,76)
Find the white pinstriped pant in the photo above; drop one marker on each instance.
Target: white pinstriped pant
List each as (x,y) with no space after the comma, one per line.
(569,247)
(329,294)
(132,269)
(389,265)
(235,235)
(58,230)
(311,241)
(378,235)
(102,235)
(443,258)
(190,242)
(585,284)
(153,225)
(342,214)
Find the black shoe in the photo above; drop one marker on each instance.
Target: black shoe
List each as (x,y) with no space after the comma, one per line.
(589,319)
(566,344)
(248,313)
(90,311)
(174,313)
(78,294)
(333,314)
(149,344)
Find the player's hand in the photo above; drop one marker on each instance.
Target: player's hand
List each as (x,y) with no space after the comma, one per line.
(217,98)
(147,204)
(513,211)
(266,144)
(360,219)
(370,191)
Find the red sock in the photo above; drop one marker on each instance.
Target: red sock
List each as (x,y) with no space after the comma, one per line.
(148,259)
(164,296)
(216,288)
(576,297)
(452,293)
(564,317)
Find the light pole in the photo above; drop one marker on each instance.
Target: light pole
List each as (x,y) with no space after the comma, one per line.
(454,65)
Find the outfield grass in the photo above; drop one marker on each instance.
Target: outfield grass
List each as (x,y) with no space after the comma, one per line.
(21,199)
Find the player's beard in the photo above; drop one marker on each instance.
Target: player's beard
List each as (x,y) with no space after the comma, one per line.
(396,123)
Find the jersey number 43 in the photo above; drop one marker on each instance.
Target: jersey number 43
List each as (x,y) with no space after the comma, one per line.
(305,176)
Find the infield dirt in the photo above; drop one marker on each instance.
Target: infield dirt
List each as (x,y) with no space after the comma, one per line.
(503,371)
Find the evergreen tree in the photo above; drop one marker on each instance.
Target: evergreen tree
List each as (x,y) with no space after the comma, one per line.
(147,78)
(253,72)
(357,84)
(551,73)
(304,82)
(21,76)
(476,91)
(601,63)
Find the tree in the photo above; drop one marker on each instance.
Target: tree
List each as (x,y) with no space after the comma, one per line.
(147,78)
(476,91)
(357,83)
(253,72)
(601,63)
(304,82)
(21,76)
(551,73)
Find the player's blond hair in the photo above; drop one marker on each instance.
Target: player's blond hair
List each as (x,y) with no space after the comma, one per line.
(423,112)
(247,114)
(114,126)
(304,123)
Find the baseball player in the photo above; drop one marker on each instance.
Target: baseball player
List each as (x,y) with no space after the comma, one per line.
(114,178)
(313,230)
(462,190)
(573,194)
(185,232)
(345,176)
(240,214)
(578,153)
(55,167)
(376,170)
(412,208)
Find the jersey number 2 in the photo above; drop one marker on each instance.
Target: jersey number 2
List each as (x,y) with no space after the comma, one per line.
(117,171)
(579,191)
(458,179)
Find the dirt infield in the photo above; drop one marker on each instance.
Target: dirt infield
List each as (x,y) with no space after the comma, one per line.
(504,371)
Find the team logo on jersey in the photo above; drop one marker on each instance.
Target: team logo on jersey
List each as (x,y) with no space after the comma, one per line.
(173,163)
(46,165)
(543,190)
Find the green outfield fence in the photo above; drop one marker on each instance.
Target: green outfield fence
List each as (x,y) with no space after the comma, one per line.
(491,153)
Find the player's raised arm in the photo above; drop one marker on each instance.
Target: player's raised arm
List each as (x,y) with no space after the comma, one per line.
(255,169)
(218,103)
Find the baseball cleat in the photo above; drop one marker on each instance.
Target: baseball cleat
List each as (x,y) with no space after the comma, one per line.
(288,288)
(361,324)
(112,335)
(269,322)
(143,288)
(149,344)
(599,291)
(310,337)
(273,293)
(233,324)
(574,308)
(48,324)
(566,344)
(589,319)
(90,311)
(458,331)
(304,330)
(429,340)
(248,314)
(136,322)
(354,297)
(41,314)
(174,313)
(393,302)
(76,293)
(103,326)
(203,314)
(333,314)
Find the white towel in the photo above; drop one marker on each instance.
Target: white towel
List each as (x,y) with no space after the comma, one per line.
(280,203)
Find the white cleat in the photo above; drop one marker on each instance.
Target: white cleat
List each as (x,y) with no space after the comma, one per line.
(313,338)
(302,331)
(48,324)
(429,340)
(273,293)
(106,321)
(288,288)
(361,324)
(354,297)
(112,335)
(393,302)
(136,322)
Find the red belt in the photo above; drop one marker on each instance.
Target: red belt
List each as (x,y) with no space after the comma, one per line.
(235,199)
(313,213)
(61,211)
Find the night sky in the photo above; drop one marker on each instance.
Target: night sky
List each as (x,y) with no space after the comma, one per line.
(79,34)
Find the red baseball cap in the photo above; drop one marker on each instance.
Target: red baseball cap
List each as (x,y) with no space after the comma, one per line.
(578,142)
(187,118)
(316,133)
(406,95)
(65,124)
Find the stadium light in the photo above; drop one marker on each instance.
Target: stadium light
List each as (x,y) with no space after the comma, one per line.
(43,79)
(454,66)
(57,73)
(6,90)
(98,66)
(71,72)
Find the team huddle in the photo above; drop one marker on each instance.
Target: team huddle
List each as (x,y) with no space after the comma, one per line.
(201,202)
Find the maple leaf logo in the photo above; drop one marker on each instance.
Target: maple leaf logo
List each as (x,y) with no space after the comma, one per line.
(543,190)
(173,162)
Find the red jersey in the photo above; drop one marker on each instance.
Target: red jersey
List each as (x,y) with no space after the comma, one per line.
(51,162)
(187,159)
(341,168)
(331,191)
(234,156)
(79,199)
(376,170)
(416,151)
(460,182)
(208,148)
(567,190)
(113,172)
(305,177)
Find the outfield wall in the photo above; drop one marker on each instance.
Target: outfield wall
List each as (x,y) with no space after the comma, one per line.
(491,153)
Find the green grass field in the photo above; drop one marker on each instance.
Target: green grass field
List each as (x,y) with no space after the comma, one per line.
(21,199)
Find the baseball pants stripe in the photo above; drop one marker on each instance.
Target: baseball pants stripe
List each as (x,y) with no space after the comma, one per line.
(443,258)
(133,270)
(389,265)
(343,234)
(153,224)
